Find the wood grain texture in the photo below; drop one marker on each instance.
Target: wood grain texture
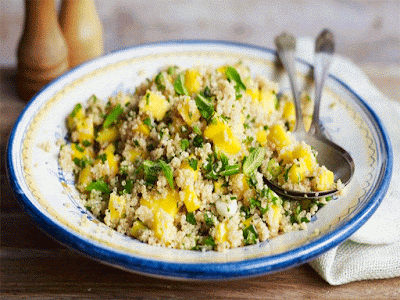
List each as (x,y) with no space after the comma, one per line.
(33,266)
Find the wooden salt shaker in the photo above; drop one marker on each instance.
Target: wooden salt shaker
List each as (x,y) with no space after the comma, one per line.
(42,51)
(82,30)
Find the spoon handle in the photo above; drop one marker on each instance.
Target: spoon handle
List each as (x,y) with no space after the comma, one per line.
(286,45)
(324,49)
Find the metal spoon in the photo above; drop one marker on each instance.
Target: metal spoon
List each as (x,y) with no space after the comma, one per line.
(334,157)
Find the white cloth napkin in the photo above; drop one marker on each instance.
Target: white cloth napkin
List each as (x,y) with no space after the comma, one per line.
(372,252)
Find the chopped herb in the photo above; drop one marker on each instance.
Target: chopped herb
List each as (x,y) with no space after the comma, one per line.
(160,81)
(232,74)
(193,163)
(225,118)
(128,186)
(208,219)
(103,157)
(207,92)
(184,144)
(147,96)
(209,241)
(198,141)
(253,161)
(179,85)
(197,130)
(248,140)
(172,70)
(246,126)
(113,116)
(190,218)
(250,235)
(147,122)
(167,172)
(79,162)
(98,185)
(93,98)
(265,127)
(77,108)
(205,106)
(86,143)
(79,148)
(150,170)
(230,170)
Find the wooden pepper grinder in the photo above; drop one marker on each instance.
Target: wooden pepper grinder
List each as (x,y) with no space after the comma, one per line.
(82,30)
(42,51)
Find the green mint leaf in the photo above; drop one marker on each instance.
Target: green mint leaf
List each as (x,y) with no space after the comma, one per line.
(193,163)
(99,185)
(77,108)
(179,85)
(190,218)
(205,107)
(250,235)
(184,144)
(113,116)
(253,161)
(160,81)
(230,170)
(167,172)
(233,75)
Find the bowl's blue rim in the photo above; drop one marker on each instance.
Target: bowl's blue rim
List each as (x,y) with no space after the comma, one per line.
(205,271)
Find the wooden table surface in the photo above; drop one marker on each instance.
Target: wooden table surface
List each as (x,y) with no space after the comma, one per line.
(33,266)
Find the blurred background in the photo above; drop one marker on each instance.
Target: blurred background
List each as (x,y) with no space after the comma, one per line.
(367,32)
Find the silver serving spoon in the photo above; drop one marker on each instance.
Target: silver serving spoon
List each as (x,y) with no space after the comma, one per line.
(334,157)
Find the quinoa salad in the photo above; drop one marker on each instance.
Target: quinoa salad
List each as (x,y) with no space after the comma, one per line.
(182,161)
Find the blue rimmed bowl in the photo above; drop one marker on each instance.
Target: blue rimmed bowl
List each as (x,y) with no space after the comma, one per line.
(48,195)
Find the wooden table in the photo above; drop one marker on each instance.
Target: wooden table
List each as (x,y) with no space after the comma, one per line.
(33,266)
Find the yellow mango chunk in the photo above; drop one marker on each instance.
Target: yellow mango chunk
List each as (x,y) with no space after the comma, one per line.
(116,205)
(143,129)
(77,151)
(300,153)
(191,81)
(133,154)
(278,136)
(85,129)
(85,177)
(221,232)
(262,137)
(77,115)
(137,228)
(222,136)
(192,173)
(169,203)
(254,94)
(277,213)
(189,115)
(190,199)
(155,105)
(297,172)
(222,69)
(239,185)
(109,134)
(267,100)
(163,226)
(289,113)
(111,160)
(324,180)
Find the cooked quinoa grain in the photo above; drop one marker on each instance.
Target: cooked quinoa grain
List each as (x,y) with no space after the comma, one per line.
(181,162)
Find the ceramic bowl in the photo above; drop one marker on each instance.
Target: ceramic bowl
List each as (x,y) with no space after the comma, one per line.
(48,195)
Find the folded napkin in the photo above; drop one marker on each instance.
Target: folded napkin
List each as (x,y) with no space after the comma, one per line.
(372,252)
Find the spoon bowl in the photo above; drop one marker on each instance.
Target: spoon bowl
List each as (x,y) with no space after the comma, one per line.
(331,155)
